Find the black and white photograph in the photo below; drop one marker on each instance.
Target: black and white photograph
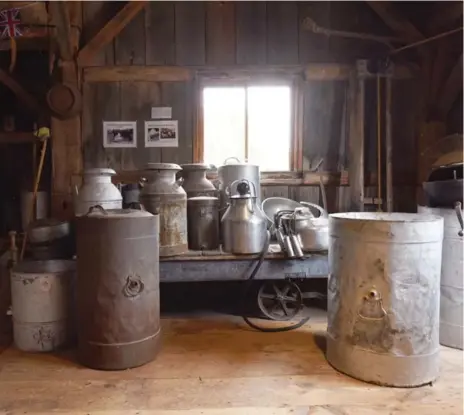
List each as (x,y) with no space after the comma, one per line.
(119,134)
(161,133)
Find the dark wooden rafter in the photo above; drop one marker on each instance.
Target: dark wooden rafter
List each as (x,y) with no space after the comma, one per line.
(396,21)
(109,31)
(59,12)
(24,96)
(445,16)
(450,90)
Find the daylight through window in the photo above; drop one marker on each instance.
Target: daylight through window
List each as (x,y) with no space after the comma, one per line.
(251,123)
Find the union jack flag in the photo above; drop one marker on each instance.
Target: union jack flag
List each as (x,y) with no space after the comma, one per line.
(9,23)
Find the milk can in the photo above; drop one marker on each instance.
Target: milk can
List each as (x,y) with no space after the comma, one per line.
(203,222)
(97,189)
(233,169)
(244,224)
(195,181)
(164,195)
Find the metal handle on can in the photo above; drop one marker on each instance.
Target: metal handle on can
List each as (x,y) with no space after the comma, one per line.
(96,207)
(457,208)
(231,158)
(133,287)
(323,212)
(179,181)
(373,296)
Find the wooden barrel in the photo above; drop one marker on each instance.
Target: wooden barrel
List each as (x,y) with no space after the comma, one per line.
(384,296)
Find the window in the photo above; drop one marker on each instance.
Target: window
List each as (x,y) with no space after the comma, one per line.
(250,122)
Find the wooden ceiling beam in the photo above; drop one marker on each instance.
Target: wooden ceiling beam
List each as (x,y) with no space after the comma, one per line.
(450,90)
(395,21)
(60,17)
(444,16)
(109,31)
(29,100)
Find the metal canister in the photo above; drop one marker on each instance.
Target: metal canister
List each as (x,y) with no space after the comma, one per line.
(164,195)
(229,172)
(117,288)
(451,281)
(384,297)
(195,181)
(203,222)
(40,207)
(43,304)
(97,189)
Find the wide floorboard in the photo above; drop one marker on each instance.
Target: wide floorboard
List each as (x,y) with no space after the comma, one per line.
(218,366)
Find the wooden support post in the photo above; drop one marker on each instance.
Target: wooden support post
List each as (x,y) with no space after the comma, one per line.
(356,142)
(60,18)
(388,143)
(66,134)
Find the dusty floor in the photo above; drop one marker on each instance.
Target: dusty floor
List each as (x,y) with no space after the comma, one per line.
(215,365)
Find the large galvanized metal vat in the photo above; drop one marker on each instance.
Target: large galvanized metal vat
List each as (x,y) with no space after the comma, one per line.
(163,195)
(118,288)
(42,297)
(384,297)
(451,286)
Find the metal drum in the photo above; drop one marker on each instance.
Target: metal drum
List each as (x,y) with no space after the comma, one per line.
(384,297)
(97,189)
(163,195)
(229,172)
(42,298)
(203,223)
(195,181)
(451,288)
(117,288)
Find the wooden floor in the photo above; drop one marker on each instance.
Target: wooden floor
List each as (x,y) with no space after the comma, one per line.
(217,366)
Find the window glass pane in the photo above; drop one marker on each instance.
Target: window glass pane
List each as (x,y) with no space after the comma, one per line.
(269,127)
(224,123)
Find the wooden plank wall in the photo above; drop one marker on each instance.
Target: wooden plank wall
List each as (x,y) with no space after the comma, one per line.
(228,33)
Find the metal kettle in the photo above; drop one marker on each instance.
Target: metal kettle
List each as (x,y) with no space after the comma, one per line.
(244,224)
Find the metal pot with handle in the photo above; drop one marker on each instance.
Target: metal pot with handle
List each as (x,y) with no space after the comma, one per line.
(312,232)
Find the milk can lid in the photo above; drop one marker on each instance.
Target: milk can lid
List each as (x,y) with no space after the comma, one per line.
(163,166)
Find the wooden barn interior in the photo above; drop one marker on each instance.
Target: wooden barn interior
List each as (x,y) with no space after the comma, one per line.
(353,106)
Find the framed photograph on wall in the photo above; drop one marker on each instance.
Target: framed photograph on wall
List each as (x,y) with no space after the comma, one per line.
(119,134)
(161,133)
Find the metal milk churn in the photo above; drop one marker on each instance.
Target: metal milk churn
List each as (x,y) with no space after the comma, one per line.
(164,195)
(244,224)
(203,223)
(97,189)
(195,181)
(229,172)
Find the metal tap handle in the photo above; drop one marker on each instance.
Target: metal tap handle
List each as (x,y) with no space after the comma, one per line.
(323,212)
(457,208)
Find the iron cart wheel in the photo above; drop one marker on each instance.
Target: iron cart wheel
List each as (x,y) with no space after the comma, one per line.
(280,300)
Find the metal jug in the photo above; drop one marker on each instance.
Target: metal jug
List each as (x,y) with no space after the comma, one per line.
(244,224)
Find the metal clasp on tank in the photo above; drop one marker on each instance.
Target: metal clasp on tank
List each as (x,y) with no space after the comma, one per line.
(372,305)
(133,287)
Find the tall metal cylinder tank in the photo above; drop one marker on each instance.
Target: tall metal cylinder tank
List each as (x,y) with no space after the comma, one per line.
(203,223)
(42,299)
(384,297)
(117,288)
(451,285)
